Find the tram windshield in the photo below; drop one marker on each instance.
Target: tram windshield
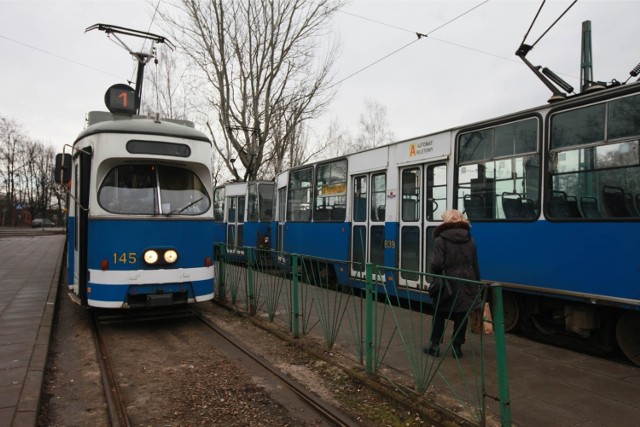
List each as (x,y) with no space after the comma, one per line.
(153,190)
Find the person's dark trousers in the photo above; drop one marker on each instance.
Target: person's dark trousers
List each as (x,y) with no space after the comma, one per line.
(460,321)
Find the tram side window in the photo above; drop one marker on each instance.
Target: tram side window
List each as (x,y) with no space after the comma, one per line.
(411,190)
(378,197)
(596,178)
(299,197)
(436,192)
(265,199)
(331,191)
(218,204)
(498,172)
(360,199)
(253,202)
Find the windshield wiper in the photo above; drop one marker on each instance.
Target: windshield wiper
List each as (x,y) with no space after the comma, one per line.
(180,210)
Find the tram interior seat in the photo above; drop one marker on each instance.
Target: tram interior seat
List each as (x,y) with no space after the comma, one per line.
(517,207)
(614,201)
(573,207)
(475,206)
(322,214)
(382,210)
(338,213)
(589,207)
(563,206)
(628,200)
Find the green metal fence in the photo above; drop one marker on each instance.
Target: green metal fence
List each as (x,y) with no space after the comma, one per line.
(375,321)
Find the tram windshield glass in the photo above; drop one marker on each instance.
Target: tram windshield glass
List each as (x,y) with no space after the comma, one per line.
(151,189)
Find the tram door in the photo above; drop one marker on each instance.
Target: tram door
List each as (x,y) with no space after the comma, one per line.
(81,187)
(423,199)
(235,222)
(368,219)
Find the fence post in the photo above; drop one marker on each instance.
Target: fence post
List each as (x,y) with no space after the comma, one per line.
(295,303)
(369,320)
(501,355)
(221,256)
(251,297)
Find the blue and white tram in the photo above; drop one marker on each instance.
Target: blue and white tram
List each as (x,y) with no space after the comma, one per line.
(140,218)
(553,194)
(243,215)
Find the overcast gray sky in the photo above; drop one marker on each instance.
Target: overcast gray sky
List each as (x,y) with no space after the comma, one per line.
(52,73)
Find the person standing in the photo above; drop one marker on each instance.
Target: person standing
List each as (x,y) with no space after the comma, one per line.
(454,255)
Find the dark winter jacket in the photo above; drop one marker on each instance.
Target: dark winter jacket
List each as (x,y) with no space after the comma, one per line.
(455,255)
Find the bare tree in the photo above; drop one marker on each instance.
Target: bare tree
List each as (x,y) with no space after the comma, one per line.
(167,92)
(261,77)
(25,173)
(374,127)
(11,138)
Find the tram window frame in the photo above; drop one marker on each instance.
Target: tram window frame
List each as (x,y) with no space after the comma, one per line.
(485,178)
(594,180)
(436,185)
(330,194)
(253,206)
(411,194)
(378,197)
(299,194)
(266,194)
(218,204)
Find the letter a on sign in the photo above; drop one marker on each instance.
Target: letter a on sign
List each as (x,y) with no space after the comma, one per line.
(412,150)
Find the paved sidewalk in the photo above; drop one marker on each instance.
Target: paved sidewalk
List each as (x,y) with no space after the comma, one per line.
(29,276)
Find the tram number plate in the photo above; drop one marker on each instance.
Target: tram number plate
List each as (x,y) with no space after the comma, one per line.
(125,258)
(389,244)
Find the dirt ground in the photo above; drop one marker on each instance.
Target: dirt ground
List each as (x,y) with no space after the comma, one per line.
(185,383)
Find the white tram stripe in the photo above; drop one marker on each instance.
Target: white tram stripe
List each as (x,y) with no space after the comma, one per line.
(144,277)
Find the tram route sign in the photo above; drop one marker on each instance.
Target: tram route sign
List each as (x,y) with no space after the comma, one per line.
(121,99)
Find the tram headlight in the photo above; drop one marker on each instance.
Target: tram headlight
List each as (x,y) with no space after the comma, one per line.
(150,256)
(170,256)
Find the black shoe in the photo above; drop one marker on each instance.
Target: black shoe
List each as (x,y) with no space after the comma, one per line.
(431,351)
(457,351)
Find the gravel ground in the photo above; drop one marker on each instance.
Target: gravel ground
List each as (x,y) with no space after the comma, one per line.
(177,384)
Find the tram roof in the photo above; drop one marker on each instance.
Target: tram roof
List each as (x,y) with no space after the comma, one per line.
(102,122)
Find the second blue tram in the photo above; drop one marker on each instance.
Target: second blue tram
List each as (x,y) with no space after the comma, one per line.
(553,195)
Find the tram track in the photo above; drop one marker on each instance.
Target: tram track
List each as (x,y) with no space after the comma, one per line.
(115,405)
(328,412)
(180,332)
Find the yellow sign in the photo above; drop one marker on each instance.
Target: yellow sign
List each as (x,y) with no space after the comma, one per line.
(334,189)
(412,150)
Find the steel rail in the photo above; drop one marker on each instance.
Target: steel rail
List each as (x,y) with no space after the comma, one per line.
(328,412)
(117,411)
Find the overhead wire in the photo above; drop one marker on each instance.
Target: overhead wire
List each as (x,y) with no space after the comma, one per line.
(419,35)
(58,56)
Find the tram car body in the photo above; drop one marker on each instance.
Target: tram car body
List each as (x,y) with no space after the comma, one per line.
(140,215)
(243,215)
(552,193)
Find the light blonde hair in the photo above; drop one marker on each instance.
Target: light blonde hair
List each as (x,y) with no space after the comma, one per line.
(453,215)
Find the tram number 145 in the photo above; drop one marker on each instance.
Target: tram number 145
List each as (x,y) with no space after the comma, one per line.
(125,258)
